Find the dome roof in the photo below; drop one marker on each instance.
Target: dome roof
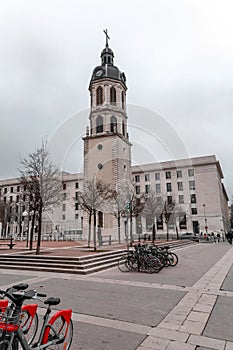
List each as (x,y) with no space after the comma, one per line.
(107,68)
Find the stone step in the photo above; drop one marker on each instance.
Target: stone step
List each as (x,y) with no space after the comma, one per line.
(72,265)
(44,264)
(62,260)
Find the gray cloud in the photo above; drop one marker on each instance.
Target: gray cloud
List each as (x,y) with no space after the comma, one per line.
(177,57)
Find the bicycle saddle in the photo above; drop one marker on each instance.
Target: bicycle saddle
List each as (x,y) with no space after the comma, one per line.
(52,301)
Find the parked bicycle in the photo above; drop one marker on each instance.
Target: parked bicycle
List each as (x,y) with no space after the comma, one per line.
(147,258)
(56,332)
(140,259)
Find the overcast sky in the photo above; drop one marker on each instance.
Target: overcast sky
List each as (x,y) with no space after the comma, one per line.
(178,60)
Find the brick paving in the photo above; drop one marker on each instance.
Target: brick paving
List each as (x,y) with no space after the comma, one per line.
(183,327)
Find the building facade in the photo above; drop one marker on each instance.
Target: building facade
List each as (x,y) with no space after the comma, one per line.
(195,185)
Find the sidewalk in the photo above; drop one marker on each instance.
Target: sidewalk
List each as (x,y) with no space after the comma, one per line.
(61,248)
(65,248)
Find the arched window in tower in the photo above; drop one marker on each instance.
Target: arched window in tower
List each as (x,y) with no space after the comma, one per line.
(113,124)
(113,96)
(100,219)
(99,124)
(123,128)
(99,96)
(123,100)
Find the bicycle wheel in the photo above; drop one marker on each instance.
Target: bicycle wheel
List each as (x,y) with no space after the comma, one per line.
(61,326)
(152,265)
(132,263)
(29,322)
(123,264)
(173,259)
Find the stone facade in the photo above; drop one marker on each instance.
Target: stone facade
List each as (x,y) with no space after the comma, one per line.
(194,184)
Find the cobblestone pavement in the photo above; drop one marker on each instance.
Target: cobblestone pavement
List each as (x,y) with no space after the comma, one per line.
(192,316)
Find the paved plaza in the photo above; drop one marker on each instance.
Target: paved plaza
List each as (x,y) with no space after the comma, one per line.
(188,307)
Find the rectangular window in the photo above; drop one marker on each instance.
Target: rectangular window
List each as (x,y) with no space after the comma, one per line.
(182,220)
(169,199)
(147,189)
(158,188)
(12,189)
(181,199)
(193,198)
(17,198)
(76,196)
(147,177)
(137,189)
(63,207)
(11,199)
(64,186)
(64,196)
(63,216)
(157,176)
(137,178)
(194,211)
(192,185)
(179,173)
(190,172)
(180,186)
(5,190)
(76,185)
(18,188)
(76,206)
(16,209)
(160,223)
(169,187)
(4,199)
(76,216)
(168,175)
(159,200)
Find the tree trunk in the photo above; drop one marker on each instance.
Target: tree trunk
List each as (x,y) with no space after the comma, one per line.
(39,230)
(94,231)
(167,232)
(89,231)
(119,228)
(32,230)
(131,228)
(153,232)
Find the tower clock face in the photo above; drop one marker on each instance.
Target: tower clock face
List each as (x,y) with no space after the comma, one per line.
(99,73)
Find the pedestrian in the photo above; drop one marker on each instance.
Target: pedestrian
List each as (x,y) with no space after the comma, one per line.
(229,237)
(213,237)
(218,237)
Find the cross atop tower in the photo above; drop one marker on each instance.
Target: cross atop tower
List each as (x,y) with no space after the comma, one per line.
(107,36)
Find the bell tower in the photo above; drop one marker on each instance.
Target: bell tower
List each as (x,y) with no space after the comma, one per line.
(107,150)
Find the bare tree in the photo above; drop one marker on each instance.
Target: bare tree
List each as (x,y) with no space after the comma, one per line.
(95,196)
(43,183)
(119,205)
(167,212)
(134,204)
(153,208)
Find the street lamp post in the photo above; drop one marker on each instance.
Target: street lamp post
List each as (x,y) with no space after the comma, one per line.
(206,226)
(125,218)
(25,214)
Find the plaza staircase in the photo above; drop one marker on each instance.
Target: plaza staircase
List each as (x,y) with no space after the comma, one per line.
(82,265)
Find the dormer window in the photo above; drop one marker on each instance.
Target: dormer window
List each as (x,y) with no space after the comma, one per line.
(99,96)
(113,95)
